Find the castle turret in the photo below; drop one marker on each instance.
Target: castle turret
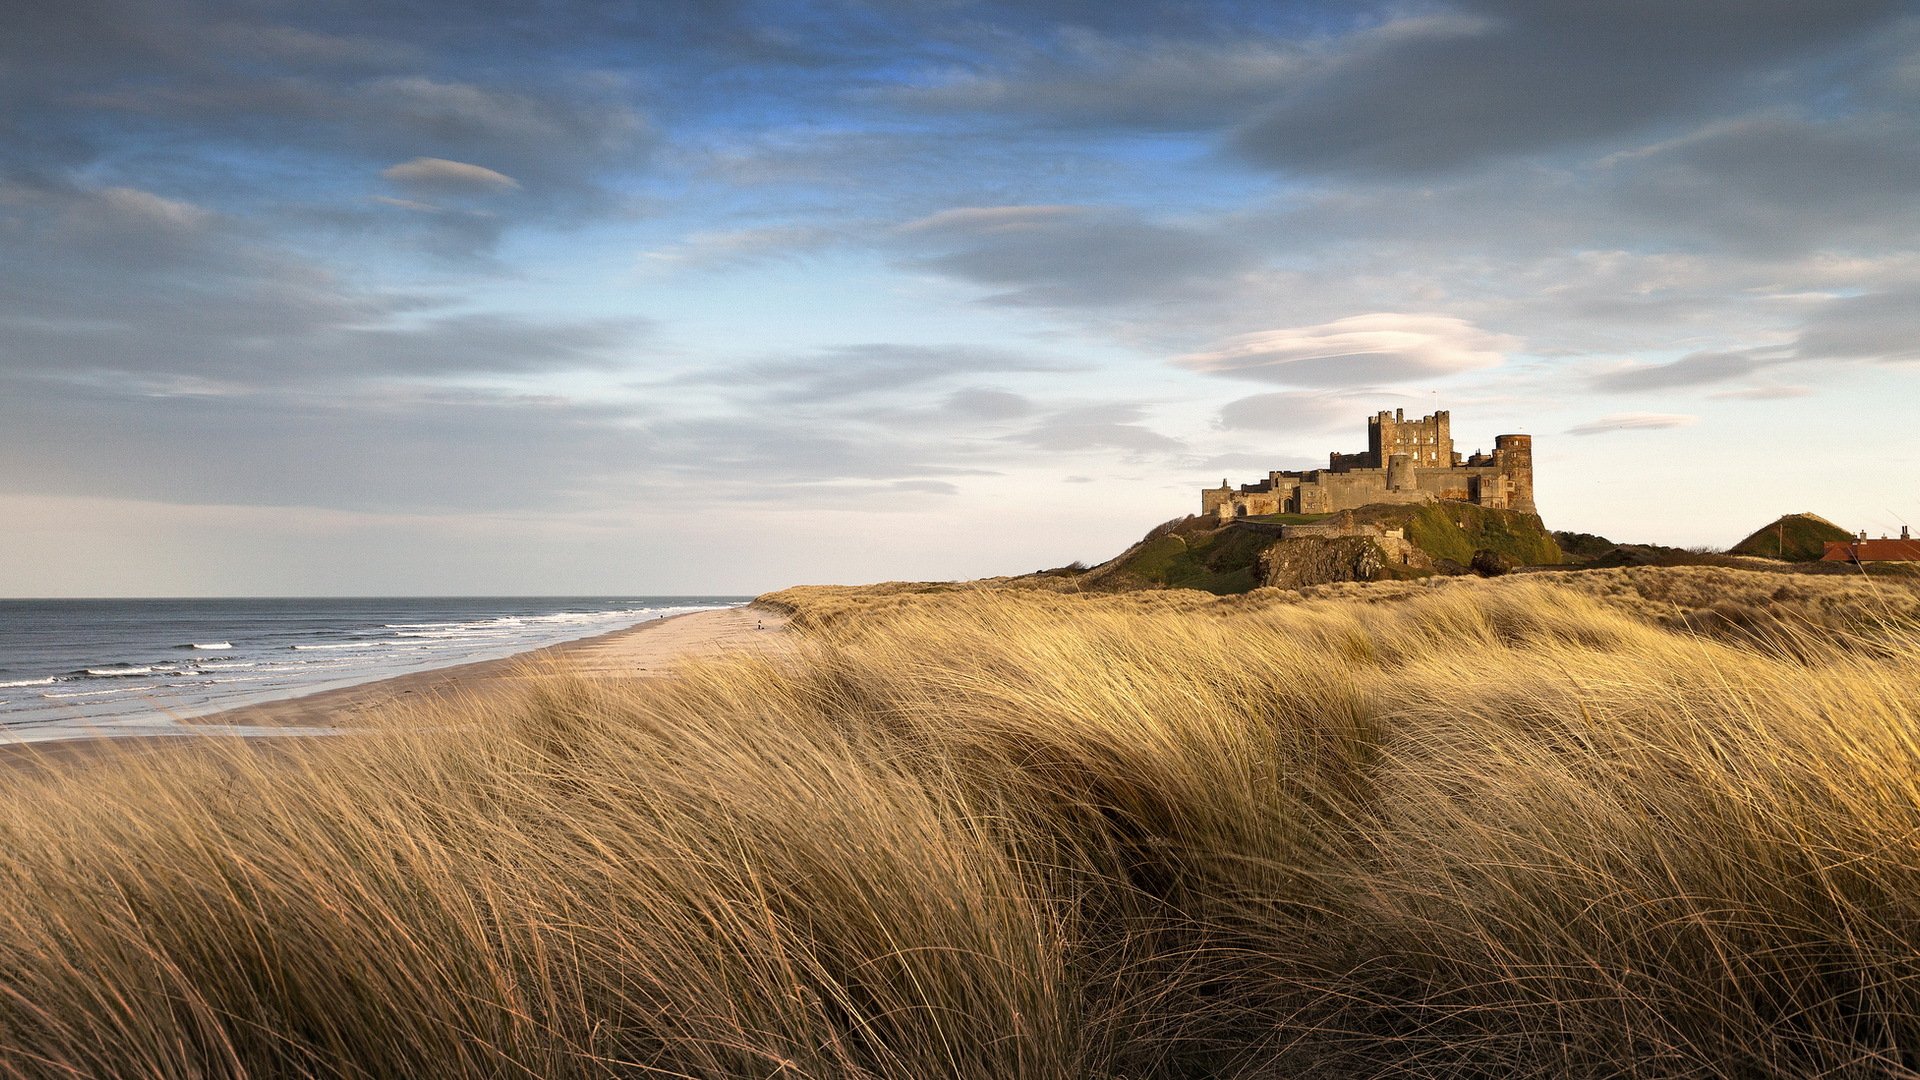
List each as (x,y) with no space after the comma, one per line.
(1513,456)
(1400,473)
(1212,499)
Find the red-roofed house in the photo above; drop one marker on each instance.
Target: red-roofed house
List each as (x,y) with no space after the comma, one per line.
(1905,549)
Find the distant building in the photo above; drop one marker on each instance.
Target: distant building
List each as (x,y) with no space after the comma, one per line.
(1862,550)
(1406,461)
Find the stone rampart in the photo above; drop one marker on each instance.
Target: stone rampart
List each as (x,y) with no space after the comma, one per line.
(1406,461)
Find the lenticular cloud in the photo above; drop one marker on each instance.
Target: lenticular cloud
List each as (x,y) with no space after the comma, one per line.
(1359,350)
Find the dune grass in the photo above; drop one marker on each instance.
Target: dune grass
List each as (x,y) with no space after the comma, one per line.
(1518,827)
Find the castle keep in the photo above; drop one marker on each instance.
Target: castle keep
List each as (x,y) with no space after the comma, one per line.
(1406,461)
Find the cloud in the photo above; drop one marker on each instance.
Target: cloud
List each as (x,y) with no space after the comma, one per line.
(1632,421)
(492,342)
(441,175)
(1359,350)
(1291,411)
(178,292)
(1876,326)
(314,49)
(985,220)
(366,447)
(258,111)
(1510,77)
(1694,369)
(923,487)
(1776,179)
(151,209)
(1385,90)
(1093,79)
(545,139)
(1070,256)
(408,204)
(728,248)
(847,372)
(982,405)
(1110,426)
(1769,392)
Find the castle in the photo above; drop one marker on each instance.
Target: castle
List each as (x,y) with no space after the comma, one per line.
(1406,461)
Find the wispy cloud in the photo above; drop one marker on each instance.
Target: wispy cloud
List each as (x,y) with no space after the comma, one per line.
(1632,421)
(725,248)
(1694,369)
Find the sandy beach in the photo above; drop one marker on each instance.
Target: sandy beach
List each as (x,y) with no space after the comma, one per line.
(648,650)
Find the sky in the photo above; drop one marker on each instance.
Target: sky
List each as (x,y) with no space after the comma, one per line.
(368,297)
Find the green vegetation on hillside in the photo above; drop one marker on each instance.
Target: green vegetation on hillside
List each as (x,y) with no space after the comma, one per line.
(1793,537)
(1199,553)
(1215,560)
(1579,546)
(1454,531)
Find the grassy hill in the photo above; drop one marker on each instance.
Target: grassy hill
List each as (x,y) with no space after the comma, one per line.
(1190,553)
(1454,531)
(1793,537)
(1199,553)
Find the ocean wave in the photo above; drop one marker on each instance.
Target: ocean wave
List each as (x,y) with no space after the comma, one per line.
(224,665)
(28,682)
(217,646)
(86,693)
(118,671)
(347,645)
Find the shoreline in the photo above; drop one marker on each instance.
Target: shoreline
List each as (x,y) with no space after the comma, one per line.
(649,649)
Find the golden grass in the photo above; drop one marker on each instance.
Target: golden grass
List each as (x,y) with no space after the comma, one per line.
(1517,827)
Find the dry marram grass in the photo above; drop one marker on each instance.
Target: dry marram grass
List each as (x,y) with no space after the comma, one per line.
(1513,827)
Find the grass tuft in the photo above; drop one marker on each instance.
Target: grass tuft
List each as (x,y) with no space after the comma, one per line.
(1516,827)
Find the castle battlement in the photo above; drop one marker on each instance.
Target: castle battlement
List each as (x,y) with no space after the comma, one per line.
(1406,461)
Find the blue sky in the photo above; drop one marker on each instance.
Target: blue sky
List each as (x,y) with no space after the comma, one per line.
(356,297)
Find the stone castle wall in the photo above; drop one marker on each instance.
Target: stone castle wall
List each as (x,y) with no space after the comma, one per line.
(1406,461)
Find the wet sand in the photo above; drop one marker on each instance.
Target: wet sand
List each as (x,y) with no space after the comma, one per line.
(649,650)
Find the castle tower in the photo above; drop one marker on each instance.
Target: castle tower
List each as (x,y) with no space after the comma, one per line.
(1428,440)
(1212,499)
(1400,473)
(1513,456)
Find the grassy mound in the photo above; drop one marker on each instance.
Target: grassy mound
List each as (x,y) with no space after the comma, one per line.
(1793,537)
(1199,553)
(1454,531)
(1191,553)
(1456,828)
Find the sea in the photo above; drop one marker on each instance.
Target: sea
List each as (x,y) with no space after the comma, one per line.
(73,668)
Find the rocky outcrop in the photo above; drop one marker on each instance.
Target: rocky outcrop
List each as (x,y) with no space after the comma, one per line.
(1290,564)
